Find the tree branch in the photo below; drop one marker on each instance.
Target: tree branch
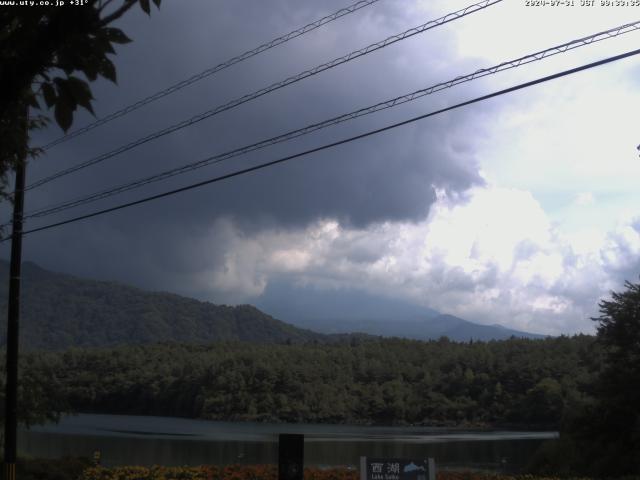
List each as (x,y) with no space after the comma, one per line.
(104,4)
(118,13)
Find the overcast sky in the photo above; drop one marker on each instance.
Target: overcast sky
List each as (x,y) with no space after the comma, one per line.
(521,210)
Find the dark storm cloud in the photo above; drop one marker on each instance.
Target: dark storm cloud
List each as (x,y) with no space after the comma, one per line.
(388,177)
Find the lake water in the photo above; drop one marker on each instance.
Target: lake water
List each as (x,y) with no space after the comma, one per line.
(129,440)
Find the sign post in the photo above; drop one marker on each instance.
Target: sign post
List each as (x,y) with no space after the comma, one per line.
(397,469)
(290,456)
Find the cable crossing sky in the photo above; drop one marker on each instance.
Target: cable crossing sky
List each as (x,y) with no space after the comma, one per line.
(78,201)
(335,144)
(276,86)
(213,70)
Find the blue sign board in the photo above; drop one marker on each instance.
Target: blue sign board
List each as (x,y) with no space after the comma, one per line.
(397,469)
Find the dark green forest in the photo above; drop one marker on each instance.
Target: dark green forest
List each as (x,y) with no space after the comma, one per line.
(520,382)
(60,311)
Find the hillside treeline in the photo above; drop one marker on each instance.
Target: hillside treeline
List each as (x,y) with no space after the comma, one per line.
(387,381)
(60,311)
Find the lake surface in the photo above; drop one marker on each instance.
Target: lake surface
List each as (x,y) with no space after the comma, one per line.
(128,440)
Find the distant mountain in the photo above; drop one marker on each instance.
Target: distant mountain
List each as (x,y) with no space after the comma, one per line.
(303,303)
(60,311)
(425,328)
(351,310)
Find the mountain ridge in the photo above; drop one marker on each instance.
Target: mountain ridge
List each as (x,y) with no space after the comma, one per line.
(61,310)
(351,310)
(427,328)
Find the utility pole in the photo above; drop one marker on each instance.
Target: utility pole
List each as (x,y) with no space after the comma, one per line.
(13,319)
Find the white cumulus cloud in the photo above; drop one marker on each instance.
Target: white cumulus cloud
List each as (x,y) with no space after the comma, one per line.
(493,258)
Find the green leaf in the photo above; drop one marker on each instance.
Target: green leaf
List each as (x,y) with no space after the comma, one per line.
(107,69)
(115,35)
(49,94)
(90,69)
(144,4)
(64,115)
(66,104)
(157,2)
(80,91)
(90,61)
(102,44)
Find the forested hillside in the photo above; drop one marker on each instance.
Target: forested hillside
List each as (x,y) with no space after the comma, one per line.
(528,383)
(61,311)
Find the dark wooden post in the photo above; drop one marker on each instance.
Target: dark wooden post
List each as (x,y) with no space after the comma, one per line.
(290,457)
(13,321)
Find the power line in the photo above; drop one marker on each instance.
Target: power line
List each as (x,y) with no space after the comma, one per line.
(293,79)
(334,144)
(611,33)
(213,70)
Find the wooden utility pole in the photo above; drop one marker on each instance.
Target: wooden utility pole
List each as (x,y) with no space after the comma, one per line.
(13,320)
